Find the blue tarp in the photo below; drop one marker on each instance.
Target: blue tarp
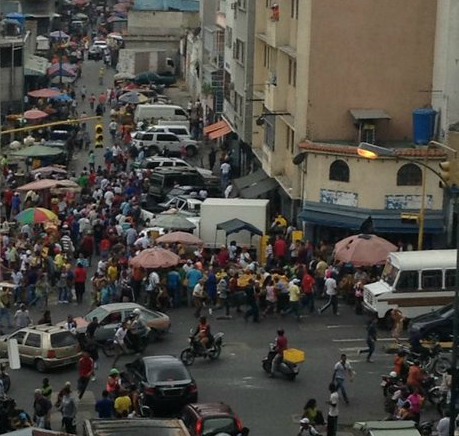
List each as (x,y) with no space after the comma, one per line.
(167,5)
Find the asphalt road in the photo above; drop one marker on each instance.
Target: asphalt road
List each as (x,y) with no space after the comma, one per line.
(267,406)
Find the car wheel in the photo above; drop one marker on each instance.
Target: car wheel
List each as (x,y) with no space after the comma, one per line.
(441,365)
(187,357)
(40,365)
(109,348)
(191,151)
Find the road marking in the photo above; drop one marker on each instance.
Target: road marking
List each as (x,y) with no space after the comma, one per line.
(343,326)
(364,340)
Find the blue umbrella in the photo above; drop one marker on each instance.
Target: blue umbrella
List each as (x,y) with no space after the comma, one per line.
(65,98)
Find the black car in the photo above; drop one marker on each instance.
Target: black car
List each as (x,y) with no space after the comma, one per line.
(436,325)
(165,383)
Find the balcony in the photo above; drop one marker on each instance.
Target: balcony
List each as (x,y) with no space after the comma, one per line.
(275,97)
(276,33)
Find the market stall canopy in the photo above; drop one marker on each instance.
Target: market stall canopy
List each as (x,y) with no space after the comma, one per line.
(173,222)
(35,66)
(179,238)
(363,250)
(37,151)
(44,93)
(59,35)
(48,184)
(49,170)
(236,225)
(153,258)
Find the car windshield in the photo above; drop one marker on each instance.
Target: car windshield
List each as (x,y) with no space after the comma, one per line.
(99,312)
(63,339)
(389,274)
(213,426)
(169,372)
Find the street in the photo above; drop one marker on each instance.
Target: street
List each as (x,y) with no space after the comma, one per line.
(267,406)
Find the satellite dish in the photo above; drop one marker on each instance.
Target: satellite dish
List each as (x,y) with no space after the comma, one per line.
(260,121)
(299,158)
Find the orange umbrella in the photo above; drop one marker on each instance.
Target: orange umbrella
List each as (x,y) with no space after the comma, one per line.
(154,258)
(44,93)
(363,250)
(179,238)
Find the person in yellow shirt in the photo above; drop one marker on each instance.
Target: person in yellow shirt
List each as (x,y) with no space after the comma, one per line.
(112,272)
(123,405)
(294,299)
(59,261)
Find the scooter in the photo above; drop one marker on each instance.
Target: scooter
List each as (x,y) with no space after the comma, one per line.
(287,369)
(196,349)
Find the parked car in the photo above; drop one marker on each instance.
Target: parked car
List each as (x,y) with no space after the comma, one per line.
(44,347)
(213,190)
(184,205)
(152,163)
(110,316)
(210,419)
(166,384)
(146,78)
(156,142)
(181,131)
(386,428)
(436,325)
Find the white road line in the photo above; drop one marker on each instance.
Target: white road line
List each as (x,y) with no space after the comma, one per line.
(364,340)
(344,326)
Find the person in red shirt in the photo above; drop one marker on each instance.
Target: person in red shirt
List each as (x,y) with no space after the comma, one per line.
(280,249)
(86,371)
(87,246)
(80,282)
(105,245)
(308,286)
(8,201)
(223,257)
(280,346)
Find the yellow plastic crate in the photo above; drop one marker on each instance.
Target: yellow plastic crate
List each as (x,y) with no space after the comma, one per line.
(292,355)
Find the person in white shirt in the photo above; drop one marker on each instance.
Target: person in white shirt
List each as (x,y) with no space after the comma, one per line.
(331,289)
(225,169)
(108,197)
(120,346)
(333,411)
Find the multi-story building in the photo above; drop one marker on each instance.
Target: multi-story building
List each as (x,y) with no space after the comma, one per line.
(337,72)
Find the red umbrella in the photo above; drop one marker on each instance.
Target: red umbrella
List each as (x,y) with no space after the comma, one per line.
(34,114)
(363,250)
(44,93)
(154,258)
(179,238)
(121,7)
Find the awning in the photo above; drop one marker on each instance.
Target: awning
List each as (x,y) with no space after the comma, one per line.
(249,180)
(384,221)
(260,188)
(369,114)
(236,225)
(217,130)
(35,66)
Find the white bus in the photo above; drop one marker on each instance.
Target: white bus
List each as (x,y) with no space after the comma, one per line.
(416,282)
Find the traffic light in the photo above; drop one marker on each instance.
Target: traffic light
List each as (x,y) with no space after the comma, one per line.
(99,139)
(410,218)
(449,171)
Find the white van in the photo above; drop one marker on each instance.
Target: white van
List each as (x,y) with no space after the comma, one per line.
(148,112)
(416,282)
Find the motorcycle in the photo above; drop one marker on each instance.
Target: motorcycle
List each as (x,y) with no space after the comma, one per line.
(5,378)
(109,346)
(431,359)
(287,369)
(390,384)
(196,349)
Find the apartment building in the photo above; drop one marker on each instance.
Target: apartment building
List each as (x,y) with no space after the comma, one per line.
(336,72)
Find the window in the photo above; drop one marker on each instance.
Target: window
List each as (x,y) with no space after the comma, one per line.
(432,280)
(112,318)
(408,281)
(33,340)
(229,37)
(63,339)
(290,140)
(180,112)
(339,171)
(242,4)
(292,72)
(270,131)
(294,5)
(450,279)
(238,102)
(268,57)
(409,175)
(239,51)
(19,337)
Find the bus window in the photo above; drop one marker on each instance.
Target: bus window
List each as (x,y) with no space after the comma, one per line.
(389,274)
(408,281)
(450,279)
(432,280)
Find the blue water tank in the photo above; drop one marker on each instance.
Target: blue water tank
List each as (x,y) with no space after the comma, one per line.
(423,125)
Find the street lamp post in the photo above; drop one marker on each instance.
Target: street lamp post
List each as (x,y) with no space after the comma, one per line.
(370,151)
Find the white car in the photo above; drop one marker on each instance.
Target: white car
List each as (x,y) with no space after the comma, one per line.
(152,163)
(157,142)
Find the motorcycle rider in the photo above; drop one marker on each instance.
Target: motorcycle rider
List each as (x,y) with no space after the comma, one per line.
(306,428)
(135,330)
(280,345)
(202,333)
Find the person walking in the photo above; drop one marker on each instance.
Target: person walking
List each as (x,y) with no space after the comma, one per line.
(68,409)
(120,335)
(199,297)
(294,299)
(22,317)
(333,410)
(86,371)
(331,289)
(80,282)
(397,319)
(105,407)
(251,302)
(41,410)
(308,284)
(341,371)
(371,339)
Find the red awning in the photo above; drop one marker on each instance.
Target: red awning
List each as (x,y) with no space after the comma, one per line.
(220,132)
(213,127)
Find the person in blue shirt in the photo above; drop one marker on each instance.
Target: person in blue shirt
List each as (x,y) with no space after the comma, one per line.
(174,287)
(193,276)
(105,406)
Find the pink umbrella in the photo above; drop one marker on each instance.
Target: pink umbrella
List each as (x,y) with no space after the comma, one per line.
(363,250)
(34,114)
(154,258)
(179,238)
(44,93)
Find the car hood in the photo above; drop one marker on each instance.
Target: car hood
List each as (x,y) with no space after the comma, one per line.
(377,288)
(426,318)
